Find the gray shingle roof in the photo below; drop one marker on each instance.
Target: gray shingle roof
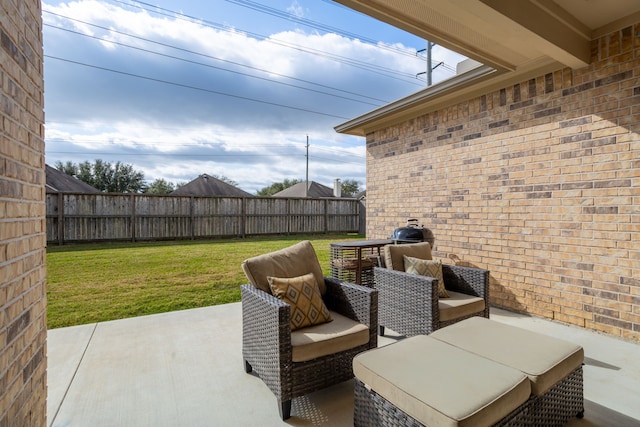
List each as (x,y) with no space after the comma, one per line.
(60,182)
(208,186)
(315,191)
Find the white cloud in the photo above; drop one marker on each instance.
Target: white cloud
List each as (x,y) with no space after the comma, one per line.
(209,120)
(295,9)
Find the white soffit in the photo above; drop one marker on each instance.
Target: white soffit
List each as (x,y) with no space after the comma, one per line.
(514,39)
(505,33)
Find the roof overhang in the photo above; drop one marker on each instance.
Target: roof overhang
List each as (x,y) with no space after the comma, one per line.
(398,110)
(513,39)
(463,86)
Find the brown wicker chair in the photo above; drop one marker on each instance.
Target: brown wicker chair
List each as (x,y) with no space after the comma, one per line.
(267,346)
(409,304)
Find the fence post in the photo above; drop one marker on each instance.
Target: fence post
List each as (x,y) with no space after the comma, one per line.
(133,217)
(60,218)
(192,219)
(326,216)
(243,217)
(362,217)
(288,205)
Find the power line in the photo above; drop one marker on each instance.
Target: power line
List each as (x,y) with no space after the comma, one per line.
(279,14)
(112,30)
(338,58)
(163,144)
(173,143)
(328,28)
(285,149)
(274,104)
(211,66)
(107,153)
(318,25)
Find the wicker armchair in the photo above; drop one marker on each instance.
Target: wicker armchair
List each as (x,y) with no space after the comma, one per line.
(267,347)
(409,304)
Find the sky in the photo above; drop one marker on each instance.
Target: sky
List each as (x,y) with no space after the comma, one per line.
(232,88)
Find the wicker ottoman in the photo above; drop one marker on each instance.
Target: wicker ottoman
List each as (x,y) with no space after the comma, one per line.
(553,366)
(423,381)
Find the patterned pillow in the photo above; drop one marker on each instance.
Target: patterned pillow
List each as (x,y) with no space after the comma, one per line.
(429,268)
(303,295)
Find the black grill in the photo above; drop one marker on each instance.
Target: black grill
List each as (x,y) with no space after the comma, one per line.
(413,233)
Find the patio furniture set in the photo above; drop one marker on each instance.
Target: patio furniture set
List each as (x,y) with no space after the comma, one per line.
(303,332)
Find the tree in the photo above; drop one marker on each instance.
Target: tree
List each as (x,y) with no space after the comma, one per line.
(160,186)
(126,179)
(276,187)
(107,177)
(69,168)
(226,179)
(350,187)
(85,173)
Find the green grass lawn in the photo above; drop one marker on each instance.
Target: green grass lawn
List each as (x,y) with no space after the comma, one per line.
(89,283)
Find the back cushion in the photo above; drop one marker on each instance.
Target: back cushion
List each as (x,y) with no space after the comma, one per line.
(394,254)
(294,261)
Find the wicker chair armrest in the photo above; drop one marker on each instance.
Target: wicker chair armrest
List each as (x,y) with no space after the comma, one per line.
(406,290)
(356,302)
(266,328)
(467,280)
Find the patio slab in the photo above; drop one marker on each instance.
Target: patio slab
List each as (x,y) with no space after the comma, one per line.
(185,368)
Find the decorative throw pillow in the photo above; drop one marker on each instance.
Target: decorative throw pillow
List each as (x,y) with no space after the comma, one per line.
(429,268)
(303,295)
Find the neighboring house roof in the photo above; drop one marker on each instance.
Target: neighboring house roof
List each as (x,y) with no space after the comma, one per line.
(60,182)
(515,43)
(208,186)
(298,190)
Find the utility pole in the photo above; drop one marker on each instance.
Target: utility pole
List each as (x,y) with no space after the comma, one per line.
(306,187)
(430,69)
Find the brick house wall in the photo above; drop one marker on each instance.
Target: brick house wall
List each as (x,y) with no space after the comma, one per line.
(23,330)
(538,182)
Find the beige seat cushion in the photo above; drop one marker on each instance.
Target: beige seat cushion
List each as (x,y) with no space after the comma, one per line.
(393,254)
(296,260)
(545,360)
(459,305)
(328,338)
(441,385)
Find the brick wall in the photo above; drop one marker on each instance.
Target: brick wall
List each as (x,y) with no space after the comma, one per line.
(538,182)
(22,212)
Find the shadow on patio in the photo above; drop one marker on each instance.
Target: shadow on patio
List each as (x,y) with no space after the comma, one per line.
(185,368)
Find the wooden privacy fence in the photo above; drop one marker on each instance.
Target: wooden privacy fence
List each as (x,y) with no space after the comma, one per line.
(107,217)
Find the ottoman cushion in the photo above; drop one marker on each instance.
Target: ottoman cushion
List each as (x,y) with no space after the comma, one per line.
(545,360)
(439,384)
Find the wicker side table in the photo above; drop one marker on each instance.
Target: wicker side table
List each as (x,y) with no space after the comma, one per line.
(354,261)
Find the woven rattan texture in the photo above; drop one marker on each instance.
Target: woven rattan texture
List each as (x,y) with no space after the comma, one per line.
(559,404)
(266,339)
(555,408)
(408,303)
(350,263)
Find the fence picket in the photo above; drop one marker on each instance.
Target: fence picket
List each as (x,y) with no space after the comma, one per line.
(75,217)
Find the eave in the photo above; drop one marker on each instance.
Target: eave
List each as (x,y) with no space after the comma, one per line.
(515,40)
(464,86)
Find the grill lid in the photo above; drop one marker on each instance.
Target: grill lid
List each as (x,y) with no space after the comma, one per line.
(413,233)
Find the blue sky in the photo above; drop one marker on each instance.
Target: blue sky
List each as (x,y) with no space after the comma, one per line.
(224,87)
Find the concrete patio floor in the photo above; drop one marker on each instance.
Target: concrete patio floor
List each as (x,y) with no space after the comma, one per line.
(185,368)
